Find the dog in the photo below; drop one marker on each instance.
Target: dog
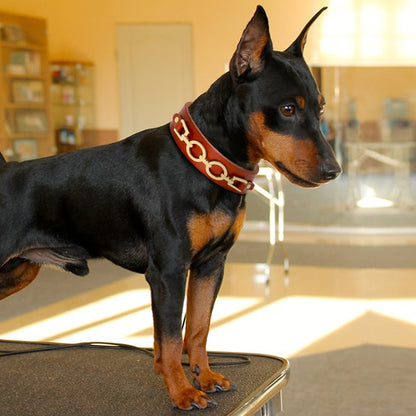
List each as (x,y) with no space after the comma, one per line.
(169,202)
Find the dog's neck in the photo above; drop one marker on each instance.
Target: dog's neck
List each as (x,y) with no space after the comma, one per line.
(213,115)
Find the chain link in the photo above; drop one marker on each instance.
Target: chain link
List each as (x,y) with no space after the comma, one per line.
(202,158)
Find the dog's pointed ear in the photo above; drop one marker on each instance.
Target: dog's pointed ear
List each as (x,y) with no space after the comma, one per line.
(297,47)
(254,46)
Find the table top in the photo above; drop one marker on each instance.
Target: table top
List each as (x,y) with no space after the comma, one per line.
(108,380)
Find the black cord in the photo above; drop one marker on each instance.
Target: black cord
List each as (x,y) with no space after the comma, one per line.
(236,360)
(56,347)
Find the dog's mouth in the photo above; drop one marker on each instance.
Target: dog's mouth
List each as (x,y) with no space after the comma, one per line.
(294,178)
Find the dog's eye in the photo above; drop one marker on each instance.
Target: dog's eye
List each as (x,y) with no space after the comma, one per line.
(288,110)
(321,111)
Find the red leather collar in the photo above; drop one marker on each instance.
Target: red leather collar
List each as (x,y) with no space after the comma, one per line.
(206,158)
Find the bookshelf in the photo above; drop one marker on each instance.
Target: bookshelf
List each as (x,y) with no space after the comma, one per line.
(25,103)
(73,104)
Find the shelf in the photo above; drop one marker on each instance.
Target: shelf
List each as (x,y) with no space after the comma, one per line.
(72,100)
(41,135)
(23,46)
(70,84)
(78,104)
(9,75)
(25,104)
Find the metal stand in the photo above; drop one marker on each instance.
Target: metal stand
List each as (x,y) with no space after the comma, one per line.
(275,196)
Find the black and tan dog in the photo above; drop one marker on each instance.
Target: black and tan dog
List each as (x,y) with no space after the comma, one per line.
(171,200)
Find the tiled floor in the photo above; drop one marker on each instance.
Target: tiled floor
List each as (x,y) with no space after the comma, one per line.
(316,309)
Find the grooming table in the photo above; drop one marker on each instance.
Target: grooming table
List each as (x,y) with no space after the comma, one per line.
(113,381)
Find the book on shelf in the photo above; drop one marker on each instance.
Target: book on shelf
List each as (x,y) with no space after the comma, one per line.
(24,63)
(31,121)
(27,91)
(11,33)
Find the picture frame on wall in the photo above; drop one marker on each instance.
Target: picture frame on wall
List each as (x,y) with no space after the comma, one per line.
(25,149)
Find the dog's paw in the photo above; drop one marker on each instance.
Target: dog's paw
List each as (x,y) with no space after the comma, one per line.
(210,382)
(191,399)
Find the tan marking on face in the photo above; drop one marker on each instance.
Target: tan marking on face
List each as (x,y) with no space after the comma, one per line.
(301,102)
(300,157)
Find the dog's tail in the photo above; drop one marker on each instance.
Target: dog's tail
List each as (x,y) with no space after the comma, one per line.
(2,159)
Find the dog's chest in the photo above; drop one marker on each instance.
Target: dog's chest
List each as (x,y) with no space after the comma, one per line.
(218,225)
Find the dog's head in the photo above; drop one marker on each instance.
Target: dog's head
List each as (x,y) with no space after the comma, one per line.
(282,105)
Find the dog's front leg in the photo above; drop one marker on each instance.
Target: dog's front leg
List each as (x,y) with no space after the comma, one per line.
(168,292)
(203,287)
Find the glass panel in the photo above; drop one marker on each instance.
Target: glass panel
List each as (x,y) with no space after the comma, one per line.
(370,117)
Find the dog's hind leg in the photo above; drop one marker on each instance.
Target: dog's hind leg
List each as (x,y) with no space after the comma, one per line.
(15,275)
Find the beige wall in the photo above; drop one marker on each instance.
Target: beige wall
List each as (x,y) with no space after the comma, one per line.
(85,30)
(369,87)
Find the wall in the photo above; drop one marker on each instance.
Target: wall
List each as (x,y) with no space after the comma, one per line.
(369,87)
(85,30)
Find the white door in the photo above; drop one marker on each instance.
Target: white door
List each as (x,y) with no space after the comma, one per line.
(155,73)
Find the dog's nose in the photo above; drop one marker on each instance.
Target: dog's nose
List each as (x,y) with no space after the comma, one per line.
(330,172)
